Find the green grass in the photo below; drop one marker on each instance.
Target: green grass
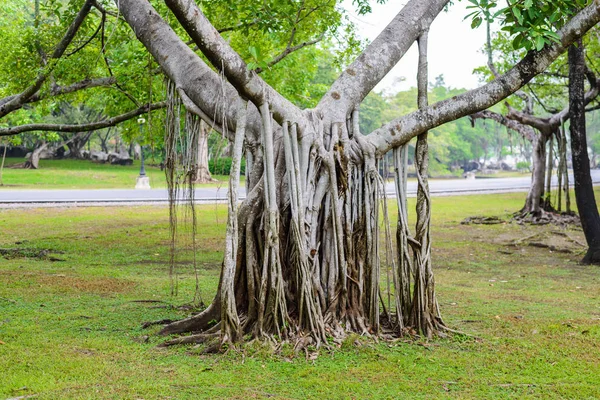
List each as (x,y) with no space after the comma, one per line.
(71,330)
(83,174)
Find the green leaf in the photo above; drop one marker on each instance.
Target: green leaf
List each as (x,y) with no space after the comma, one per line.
(518,14)
(253,51)
(476,22)
(539,43)
(516,43)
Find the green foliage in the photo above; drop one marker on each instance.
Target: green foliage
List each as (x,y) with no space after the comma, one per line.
(522,165)
(364,7)
(222,166)
(258,31)
(531,24)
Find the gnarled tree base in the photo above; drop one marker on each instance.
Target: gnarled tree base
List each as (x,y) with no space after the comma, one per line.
(592,257)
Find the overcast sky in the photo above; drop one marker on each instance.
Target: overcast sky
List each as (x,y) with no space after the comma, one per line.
(454,48)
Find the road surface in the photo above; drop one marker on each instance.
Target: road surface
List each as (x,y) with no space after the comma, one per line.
(438,187)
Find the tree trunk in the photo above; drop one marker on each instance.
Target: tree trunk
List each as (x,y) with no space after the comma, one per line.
(548,189)
(2,165)
(34,160)
(538,166)
(77,144)
(202,171)
(584,190)
(104,140)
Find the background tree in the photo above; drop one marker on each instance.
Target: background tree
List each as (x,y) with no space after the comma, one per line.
(539,112)
(584,190)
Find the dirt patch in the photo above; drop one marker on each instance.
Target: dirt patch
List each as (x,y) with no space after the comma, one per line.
(183,263)
(97,285)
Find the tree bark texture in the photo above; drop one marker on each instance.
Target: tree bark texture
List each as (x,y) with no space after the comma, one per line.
(584,190)
(202,171)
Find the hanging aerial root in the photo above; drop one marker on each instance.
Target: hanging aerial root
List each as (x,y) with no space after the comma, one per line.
(181,151)
(231,329)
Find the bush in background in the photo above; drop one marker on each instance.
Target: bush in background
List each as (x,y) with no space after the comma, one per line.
(222,166)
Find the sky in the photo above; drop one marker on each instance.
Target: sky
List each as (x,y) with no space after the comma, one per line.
(454,48)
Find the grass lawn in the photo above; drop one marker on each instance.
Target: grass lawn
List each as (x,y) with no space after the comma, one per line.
(70,326)
(83,174)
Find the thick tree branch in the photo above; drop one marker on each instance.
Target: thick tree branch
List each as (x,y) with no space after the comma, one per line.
(496,74)
(380,57)
(225,59)
(549,124)
(203,86)
(541,124)
(74,87)
(92,126)
(401,130)
(596,107)
(17,101)
(525,131)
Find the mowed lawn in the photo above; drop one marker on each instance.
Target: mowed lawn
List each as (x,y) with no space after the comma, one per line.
(70,317)
(83,174)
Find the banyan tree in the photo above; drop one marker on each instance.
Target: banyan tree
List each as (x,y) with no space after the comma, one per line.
(304,251)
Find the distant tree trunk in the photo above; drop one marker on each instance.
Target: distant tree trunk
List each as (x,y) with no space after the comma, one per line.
(538,168)
(2,165)
(202,171)
(584,190)
(77,144)
(34,160)
(548,190)
(104,140)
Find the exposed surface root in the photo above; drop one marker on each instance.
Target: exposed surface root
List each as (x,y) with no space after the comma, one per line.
(550,247)
(198,338)
(592,257)
(483,220)
(547,217)
(43,254)
(196,323)
(557,241)
(148,324)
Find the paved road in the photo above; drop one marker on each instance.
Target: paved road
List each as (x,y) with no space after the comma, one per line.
(441,187)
